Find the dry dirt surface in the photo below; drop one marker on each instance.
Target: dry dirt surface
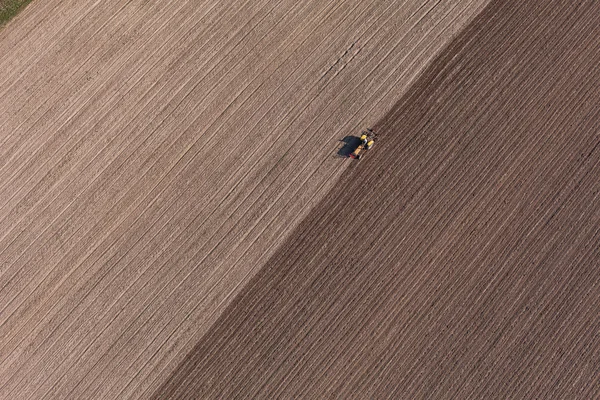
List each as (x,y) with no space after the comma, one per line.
(459,258)
(154,155)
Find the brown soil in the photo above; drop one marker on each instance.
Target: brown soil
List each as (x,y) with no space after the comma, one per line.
(460,258)
(154,155)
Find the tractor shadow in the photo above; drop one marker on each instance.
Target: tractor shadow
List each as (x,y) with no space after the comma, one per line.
(350,143)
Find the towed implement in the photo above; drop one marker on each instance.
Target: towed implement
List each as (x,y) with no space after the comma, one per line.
(367,139)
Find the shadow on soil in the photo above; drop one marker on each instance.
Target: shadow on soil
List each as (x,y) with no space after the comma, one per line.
(350,143)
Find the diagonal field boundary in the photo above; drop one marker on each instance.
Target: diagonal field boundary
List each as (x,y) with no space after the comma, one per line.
(459,258)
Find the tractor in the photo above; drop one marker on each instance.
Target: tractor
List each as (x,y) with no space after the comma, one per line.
(367,139)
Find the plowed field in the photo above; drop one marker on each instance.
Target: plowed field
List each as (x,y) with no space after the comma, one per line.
(155,154)
(459,258)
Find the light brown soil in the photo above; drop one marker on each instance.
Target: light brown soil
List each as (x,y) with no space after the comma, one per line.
(459,259)
(154,154)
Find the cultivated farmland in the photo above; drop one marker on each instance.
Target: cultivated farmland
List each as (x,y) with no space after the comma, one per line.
(154,155)
(460,258)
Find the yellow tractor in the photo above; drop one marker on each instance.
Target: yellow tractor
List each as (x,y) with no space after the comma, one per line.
(366,142)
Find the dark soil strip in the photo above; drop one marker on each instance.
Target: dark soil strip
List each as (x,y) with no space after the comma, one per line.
(459,258)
